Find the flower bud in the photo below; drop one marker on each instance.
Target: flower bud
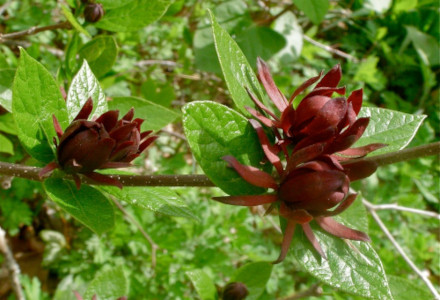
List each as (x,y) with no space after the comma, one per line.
(93,12)
(235,291)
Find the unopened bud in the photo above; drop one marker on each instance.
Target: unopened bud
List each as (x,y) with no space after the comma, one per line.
(93,12)
(235,291)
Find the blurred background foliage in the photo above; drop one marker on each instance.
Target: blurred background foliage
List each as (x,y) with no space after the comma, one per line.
(389,48)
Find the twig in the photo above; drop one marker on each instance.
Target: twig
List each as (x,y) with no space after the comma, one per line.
(153,245)
(385,230)
(314,291)
(175,134)
(395,206)
(31,173)
(149,62)
(330,49)
(33,30)
(11,265)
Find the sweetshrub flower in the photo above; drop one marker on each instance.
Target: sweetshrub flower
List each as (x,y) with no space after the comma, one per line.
(103,143)
(315,139)
(317,119)
(235,291)
(93,12)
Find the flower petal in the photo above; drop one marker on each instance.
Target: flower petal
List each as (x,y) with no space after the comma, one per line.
(101,178)
(85,111)
(108,119)
(332,78)
(251,200)
(251,174)
(305,154)
(342,231)
(270,151)
(269,85)
(312,239)
(325,91)
(359,169)
(129,115)
(361,151)
(331,114)
(342,206)
(48,168)
(356,99)
(350,136)
(147,143)
(266,121)
(287,240)
(300,216)
(304,86)
(261,105)
(57,127)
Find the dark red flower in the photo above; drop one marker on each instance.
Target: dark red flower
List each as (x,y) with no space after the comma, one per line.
(93,12)
(235,291)
(312,186)
(104,143)
(317,119)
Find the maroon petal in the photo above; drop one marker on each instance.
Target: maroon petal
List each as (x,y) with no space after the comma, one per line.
(309,107)
(361,151)
(342,206)
(356,99)
(270,151)
(324,91)
(261,105)
(108,119)
(85,111)
(147,143)
(312,239)
(350,136)
(77,181)
(360,169)
(342,231)
(303,155)
(138,123)
(252,200)
(287,240)
(123,132)
(251,174)
(48,168)
(287,120)
(325,136)
(101,178)
(300,216)
(129,115)
(332,78)
(266,79)
(57,127)
(115,165)
(145,134)
(266,121)
(304,86)
(330,114)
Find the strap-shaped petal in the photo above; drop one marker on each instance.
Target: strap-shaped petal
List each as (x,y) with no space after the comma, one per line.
(108,119)
(57,127)
(331,114)
(261,105)
(251,174)
(326,91)
(332,78)
(271,151)
(342,206)
(303,155)
(350,136)
(248,200)
(312,239)
(287,240)
(361,151)
(359,169)
(129,115)
(342,231)
(356,99)
(269,85)
(101,178)
(48,168)
(85,111)
(304,86)
(266,121)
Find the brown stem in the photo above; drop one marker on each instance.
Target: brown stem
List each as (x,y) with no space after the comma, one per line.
(33,30)
(15,170)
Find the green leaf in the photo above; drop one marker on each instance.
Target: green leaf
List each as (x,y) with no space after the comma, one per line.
(100,53)
(85,85)
(88,205)
(134,15)
(36,97)
(391,127)
(158,199)
(214,131)
(156,116)
(351,266)
(315,10)
(6,145)
(236,69)
(203,284)
(258,41)
(6,80)
(72,20)
(7,124)
(108,285)
(254,276)
(426,46)
(410,292)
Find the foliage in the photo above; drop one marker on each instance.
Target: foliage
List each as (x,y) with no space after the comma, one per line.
(163,57)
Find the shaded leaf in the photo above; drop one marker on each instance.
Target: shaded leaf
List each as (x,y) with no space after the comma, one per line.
(72,20)
(100,53)
(254,276)
(226,133)
(315,10)
(426,46)
(36,97)
(88,205)
(109,284)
